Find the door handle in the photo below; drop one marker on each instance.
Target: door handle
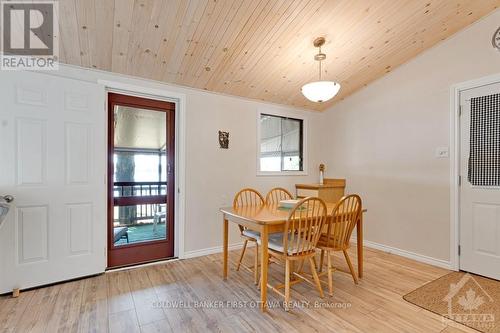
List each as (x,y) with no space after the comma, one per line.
(8,198)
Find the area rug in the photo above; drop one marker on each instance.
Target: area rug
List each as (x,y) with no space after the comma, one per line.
(471,300)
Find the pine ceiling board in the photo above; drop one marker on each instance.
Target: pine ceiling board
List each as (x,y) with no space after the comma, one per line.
(260,49)
(248,65)
(394,54)
(68,29)
(288,32)
(263,26)
(348,69)
(411,44)
(238,46)
(168,42)
(216,42)
(205,25)
(158,25)
(204,38)
(102,45)
(122,27)
(166,27)
(139,43)
(85,13)
(274,20)
(214,57)
(226,79)
(191,18)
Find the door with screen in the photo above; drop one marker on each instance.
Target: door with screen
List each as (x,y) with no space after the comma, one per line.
(480,186)
(141,180)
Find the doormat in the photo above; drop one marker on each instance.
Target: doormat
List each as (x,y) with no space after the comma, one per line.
(468,299)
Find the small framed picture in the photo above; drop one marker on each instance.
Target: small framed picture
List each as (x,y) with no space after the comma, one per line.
(223,140)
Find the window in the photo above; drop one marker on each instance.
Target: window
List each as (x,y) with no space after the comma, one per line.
(281,144)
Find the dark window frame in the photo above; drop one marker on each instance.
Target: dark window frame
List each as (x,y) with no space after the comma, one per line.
(282,154)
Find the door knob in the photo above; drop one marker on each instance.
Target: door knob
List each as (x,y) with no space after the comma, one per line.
(8,198)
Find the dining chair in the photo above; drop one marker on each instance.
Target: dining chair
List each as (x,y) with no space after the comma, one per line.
(249,197)
(345,216)
(275,195)
(298,243)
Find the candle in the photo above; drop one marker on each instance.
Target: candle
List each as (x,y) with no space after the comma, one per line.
(321,173)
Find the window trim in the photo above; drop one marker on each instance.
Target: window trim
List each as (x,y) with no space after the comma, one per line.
(284,114)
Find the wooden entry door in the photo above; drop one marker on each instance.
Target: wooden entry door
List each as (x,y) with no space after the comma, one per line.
(140,180)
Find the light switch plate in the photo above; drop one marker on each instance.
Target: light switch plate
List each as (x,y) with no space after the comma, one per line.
(442,152)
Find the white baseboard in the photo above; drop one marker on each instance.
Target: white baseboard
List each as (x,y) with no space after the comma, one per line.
(407,254)
(385,248)
(210,250)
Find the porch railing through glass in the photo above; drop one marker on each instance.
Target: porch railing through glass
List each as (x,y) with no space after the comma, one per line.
(140,212)
(139,202)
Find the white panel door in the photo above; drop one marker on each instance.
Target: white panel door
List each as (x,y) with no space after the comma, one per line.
(479,204)
(52,160)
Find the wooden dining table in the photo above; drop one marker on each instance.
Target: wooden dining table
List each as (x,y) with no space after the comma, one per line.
(269,219)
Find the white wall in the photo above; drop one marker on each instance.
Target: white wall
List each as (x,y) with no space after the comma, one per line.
(214,175)
(383,140)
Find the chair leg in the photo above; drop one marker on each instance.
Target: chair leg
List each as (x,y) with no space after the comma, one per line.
(346,255)
(330,273)
(316,278)
(287,284)
(322,257)
(242,254)
(256,265)
(315,263)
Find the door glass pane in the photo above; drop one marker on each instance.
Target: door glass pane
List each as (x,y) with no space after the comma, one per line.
(484,159)
(140,173)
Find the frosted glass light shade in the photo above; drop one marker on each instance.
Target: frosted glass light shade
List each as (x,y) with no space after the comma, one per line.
(320,91)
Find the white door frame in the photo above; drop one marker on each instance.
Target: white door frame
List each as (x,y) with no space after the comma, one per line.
(455,160)
(180,147)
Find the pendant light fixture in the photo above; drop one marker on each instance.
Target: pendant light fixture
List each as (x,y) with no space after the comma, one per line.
(320,91)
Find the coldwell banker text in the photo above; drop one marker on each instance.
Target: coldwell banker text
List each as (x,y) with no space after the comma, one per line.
(29,35)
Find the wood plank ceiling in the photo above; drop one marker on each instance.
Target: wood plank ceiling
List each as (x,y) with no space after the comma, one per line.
(260,49)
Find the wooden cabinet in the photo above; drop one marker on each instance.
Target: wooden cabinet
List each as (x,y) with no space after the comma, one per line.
(331,191)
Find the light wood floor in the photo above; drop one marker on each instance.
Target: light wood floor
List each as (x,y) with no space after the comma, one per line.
(149,300)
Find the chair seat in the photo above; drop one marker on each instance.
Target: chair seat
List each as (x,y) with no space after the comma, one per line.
(256,234)
(276,243)
(119,232)
(251,233)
